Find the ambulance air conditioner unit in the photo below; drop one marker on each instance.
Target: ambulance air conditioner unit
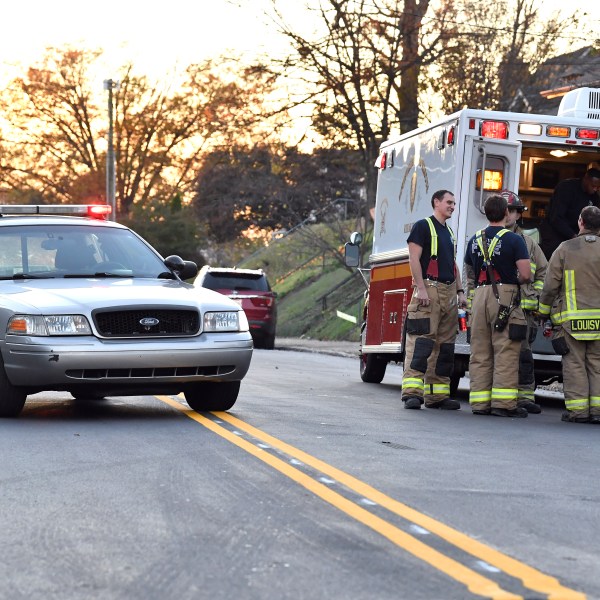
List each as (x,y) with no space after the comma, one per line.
(583,103)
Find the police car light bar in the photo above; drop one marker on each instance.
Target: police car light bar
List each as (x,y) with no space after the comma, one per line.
(94,211)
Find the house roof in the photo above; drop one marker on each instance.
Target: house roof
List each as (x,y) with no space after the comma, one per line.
(557,76)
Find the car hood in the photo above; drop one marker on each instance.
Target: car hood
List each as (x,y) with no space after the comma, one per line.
(81,296)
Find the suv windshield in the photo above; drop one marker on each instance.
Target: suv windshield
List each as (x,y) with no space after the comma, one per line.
(236,281)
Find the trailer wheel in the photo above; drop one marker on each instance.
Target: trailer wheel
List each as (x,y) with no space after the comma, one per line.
(372,368)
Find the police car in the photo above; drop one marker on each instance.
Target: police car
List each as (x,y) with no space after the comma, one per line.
(88,307)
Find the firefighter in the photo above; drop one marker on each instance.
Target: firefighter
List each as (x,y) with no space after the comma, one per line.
(571,296)
(530,293)
(497,261)
(432,313)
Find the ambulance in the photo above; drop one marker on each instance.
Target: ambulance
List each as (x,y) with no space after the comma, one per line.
(472,153)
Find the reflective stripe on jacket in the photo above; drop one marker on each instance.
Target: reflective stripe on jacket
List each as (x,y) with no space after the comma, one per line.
(571,292)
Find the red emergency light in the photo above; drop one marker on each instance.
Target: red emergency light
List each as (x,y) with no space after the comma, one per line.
(450,139)
(494,129)
(587,134)
(99,211)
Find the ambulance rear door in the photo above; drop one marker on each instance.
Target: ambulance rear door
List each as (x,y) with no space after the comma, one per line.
(490,165)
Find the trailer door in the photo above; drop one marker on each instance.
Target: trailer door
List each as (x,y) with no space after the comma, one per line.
(489,166)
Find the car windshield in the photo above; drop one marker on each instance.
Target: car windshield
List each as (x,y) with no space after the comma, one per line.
(75,251)
(238,281)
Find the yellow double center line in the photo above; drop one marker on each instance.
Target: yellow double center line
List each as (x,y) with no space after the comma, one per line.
(475,582)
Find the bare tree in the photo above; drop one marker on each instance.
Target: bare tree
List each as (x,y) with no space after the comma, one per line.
(361,75)
(497,48)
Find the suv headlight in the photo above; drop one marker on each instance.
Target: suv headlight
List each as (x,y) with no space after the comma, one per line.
(46,325)
(227,320)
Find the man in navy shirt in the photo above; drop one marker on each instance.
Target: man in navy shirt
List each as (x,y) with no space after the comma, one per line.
(496,262)
(569,198)
(432,314)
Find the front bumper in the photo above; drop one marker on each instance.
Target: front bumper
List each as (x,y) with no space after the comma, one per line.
(63,363)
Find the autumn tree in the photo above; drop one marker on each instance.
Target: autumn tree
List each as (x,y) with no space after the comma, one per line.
(245,190)
(55,127)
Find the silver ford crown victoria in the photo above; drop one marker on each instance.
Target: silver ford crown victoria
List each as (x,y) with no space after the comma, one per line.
(89,307)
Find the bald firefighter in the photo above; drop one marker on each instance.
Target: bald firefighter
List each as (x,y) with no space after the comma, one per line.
(530,294)
(432,314)
(497,260)
(571,296)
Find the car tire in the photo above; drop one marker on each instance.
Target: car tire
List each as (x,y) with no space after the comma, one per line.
(372,368)
(12,399)
(269,342)
(212,395)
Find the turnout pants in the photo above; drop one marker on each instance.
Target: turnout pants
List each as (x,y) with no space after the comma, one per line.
(430,337)
(526,371)
(581,377)
(493,366)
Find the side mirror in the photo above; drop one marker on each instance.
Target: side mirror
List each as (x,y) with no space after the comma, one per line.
(356,238)
(351,254)
(183,269)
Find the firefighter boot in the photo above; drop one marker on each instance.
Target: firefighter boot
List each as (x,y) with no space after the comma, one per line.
(519,412)
(412,402)
(445,404)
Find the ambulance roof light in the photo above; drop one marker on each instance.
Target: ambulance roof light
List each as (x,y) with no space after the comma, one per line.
(587,134)
(530,129)
(494,129)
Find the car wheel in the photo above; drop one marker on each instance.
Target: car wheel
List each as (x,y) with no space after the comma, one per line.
(372,368)
(269,342)
(212,395)
(12,399)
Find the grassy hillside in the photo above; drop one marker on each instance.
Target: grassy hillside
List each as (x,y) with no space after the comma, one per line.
(313,287)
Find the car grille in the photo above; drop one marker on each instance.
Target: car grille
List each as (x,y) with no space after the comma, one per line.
(151,372)
(158,322)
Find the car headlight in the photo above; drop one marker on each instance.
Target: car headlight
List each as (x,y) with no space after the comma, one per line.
(226,320)
(46,325)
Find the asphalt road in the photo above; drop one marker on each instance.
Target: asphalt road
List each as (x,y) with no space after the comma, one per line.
(315,485)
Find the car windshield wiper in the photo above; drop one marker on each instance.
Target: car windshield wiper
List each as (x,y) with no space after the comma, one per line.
(97,274)
(27,276)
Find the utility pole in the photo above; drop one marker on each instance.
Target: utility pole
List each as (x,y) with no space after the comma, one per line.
(111,182)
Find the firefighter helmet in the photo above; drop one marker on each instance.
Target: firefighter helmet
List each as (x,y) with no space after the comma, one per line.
(513,200)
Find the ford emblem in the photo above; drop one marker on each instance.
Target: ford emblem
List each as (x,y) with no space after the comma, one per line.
(148,322)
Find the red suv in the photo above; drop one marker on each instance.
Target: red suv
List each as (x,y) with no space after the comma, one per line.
(251,290)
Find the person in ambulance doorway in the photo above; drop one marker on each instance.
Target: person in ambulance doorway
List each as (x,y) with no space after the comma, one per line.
(565,205)
(497,262)
(432,314)
(530,293)
(571,297)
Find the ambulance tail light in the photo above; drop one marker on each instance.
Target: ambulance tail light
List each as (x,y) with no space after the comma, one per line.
(494,129)
(492,180)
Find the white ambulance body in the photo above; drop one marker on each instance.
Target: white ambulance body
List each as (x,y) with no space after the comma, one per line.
(472,153)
